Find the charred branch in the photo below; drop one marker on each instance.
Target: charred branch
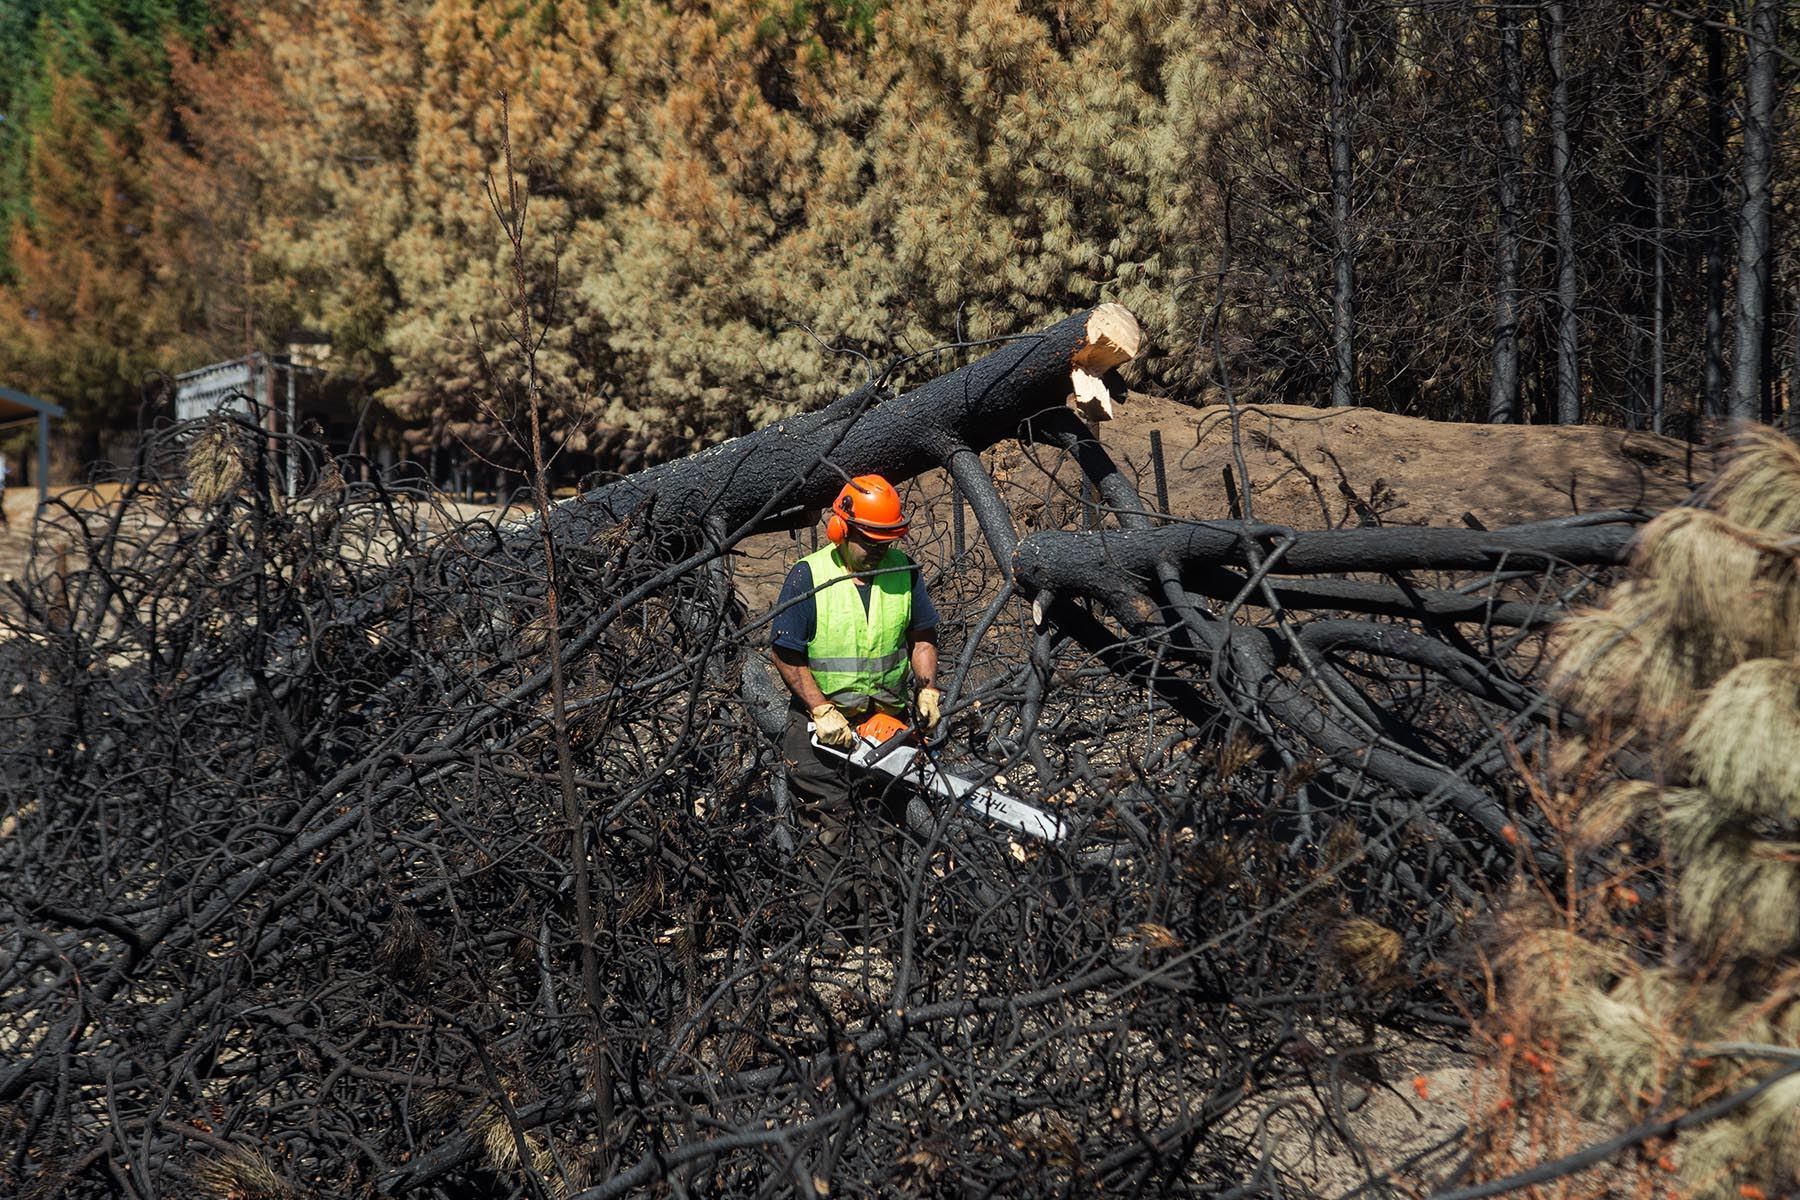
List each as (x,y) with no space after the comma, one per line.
(290,896)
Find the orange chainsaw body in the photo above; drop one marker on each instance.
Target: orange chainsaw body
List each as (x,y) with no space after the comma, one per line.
(880,726)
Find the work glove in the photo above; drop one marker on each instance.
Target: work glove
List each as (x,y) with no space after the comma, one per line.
(930,706)
(832,727)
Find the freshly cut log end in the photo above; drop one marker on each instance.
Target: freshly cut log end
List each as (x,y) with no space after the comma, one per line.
(1092,398)
(1113,338)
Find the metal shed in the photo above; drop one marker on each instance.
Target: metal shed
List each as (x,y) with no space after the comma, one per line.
(16,408)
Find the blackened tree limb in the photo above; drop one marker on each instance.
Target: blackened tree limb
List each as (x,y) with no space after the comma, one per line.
(990,508)
(1061,428)
(1254,661)
(1383,600)
(1397,642)
(1096,560)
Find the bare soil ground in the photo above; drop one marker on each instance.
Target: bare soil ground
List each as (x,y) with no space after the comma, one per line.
(1410,471)
(19,504)
(1316,468)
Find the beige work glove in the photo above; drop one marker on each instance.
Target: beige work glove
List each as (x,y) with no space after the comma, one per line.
(832,727)
(930,706)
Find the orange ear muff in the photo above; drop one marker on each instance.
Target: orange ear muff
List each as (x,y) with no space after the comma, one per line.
(836,529)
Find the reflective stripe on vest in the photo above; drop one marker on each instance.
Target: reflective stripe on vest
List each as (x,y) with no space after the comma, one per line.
(855,656)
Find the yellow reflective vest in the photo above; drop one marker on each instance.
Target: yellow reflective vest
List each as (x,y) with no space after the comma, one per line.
(859,657)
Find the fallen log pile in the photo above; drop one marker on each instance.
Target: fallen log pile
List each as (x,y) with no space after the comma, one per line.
(290,904)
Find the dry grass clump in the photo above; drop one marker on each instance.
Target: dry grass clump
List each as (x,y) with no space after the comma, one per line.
(1617,808)
(500,1141)
(240,1174)
(215,463)
(407,948)
(1633,662)
(1762,1141)
(1365,950)
(1755,485)
(1545,963)
(1742,743)
(1706,594)
(1729,898)
(1732,585)
(1626,1041)
(1697,659)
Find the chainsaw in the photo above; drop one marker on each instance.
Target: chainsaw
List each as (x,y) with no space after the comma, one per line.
(888,745)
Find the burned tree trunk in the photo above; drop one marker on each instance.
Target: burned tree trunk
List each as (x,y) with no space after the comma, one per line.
(1503,392)
(1714,375)
(780,474)
(1343,180)
(1754,254)
(1562,187)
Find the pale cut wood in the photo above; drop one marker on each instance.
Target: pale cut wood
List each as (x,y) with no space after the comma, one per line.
(1092,399)
(1113,337)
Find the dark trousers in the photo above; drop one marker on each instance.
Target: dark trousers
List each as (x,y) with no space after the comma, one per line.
(850,834)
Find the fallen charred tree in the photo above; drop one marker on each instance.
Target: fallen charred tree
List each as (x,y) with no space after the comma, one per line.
(1155,583)
(805,459)
(290,894)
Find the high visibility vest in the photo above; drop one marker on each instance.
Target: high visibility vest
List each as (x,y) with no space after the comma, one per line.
(859,657)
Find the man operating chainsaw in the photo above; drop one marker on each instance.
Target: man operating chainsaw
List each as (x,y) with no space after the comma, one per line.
(854,633)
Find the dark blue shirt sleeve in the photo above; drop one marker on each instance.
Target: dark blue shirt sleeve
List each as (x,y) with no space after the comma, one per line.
(796,614)
(924,615)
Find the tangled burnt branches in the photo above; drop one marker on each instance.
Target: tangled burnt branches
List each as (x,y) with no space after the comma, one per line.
(290,906)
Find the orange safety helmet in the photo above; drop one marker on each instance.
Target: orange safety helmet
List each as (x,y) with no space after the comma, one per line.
(871,504)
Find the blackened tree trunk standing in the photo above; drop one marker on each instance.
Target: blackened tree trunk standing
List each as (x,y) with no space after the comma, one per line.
(1793,408)
(1766,392)
(1659,187)
(1503,393)
(1645,191)
(1568,335)
(1753,217)
(1712,382)
(1343,292)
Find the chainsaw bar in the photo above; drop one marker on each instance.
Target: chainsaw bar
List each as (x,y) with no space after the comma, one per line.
(898,757)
